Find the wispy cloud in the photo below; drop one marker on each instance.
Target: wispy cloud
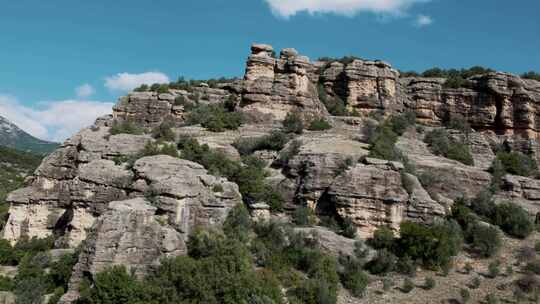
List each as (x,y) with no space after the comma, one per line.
(127,82)
(85,91)
(53,120)
(423,20)
(288,8)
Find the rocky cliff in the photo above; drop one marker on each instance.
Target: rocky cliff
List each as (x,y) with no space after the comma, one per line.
(132,211)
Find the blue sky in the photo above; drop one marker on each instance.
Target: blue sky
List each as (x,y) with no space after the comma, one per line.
(51,48)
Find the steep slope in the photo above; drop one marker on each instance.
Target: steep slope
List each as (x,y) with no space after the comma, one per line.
(111,189)
(12,136)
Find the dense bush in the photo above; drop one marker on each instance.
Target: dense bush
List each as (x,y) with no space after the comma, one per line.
(319,124)
(484,239)
(384,262)
(456,78)
(431,245)
(125,127)
(517,163)
(249,175)
(334,104)
(304,216)
(383,238)
(164,132)
(354,279)
(513,219)
(383,139)
(215,117)
(441,143)
(293,123)
(275,141)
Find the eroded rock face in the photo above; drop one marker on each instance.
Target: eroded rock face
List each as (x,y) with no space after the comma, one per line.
(373,195)
(503,103)
(274,87)
(129,233)
(365,86)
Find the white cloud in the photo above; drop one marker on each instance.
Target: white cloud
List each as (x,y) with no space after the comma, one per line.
(423,20)
(128,82)
(84,91)
(53,120)
(288,8)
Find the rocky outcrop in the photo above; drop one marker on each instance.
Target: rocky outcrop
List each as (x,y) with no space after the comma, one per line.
(445,178)
(500,102)
(321,157)
(521,190)
(373,194)
(74,185)
(150,109)
(274,87)
(365,86)
(129,233)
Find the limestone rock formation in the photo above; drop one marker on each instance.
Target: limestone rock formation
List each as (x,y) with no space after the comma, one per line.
(129,233)
(274,87)
(373,195)
(365,86)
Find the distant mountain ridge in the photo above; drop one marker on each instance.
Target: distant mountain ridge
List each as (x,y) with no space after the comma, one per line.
(14,137)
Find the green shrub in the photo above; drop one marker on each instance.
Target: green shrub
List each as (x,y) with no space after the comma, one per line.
(304,216)
(334,104)
(442,144)
(494,269)
(405,265)
(517,163)
(537,246)
(164,131)
(383,139)
(348,229)
(408,285)
(431,245)
(142,88)
(238,223)
(319,124)
(125,127)
(249,175)
(355,279)
(484,239)
(215,118)
(275,141)
(383,238)
(429,283)
(293,123)
(455,78)
(513,219)
(384,262)
(6,283)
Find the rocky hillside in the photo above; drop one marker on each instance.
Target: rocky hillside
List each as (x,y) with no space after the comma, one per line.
(349,146)
(13,137)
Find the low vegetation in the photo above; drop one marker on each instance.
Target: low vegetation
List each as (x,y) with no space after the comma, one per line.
(275,141)
(15,165)
(334,104)
(442,143)
(249,174)
(125,127)
(248,263)
(319,124)
(531,75)
(382,139)
(37,273)
(215,117)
